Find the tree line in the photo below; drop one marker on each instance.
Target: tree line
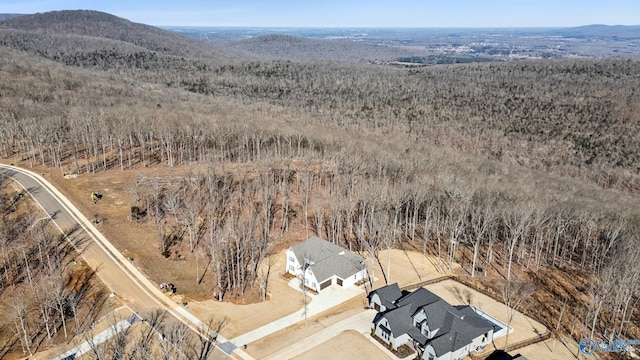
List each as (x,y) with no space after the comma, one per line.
(157,337)
(366,172)
(571,117)
(232,219)
(46,296)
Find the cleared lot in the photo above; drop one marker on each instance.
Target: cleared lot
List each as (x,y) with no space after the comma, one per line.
(315,333)
(349,345)
(458,294)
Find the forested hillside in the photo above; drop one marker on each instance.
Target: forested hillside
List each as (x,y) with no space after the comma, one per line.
(286,47)
(8,16)
(570,117)
(95,24)
(517,171)
(98,40)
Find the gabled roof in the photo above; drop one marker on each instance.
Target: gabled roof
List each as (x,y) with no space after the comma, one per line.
(418,299)
(388,294)
(327,259)
(447,342)
(472,319)
(459,332)
(399,325)
(458,325)
(397,319)
(437,314)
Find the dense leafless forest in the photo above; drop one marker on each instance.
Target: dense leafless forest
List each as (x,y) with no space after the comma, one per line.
(45,294)
(519,170)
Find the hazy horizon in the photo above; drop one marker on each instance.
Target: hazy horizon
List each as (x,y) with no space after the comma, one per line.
(353,14)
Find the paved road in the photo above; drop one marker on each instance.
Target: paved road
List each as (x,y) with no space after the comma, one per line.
(109,272)
(113,269)
(121,277)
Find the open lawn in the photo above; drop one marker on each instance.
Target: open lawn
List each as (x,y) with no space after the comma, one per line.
(458,294)
(564,349)
(282,301)
(350,345)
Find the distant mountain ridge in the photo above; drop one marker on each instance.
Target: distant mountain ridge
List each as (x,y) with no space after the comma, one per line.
(281,46)
(600,30)
(8,16)
(102,25)
(96,40)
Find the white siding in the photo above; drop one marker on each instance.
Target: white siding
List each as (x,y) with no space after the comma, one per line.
(417,319)
(295,268)
(310,280)
(400,340)
(478,342)
(465,350)
(292,263)
(396,340)
(375,299)
(429,353)
(380,333)
(351,280)
(459,354)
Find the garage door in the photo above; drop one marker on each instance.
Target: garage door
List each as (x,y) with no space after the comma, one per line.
(325,284)
(339,281)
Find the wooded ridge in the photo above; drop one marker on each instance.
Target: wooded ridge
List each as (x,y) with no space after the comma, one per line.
(522,170)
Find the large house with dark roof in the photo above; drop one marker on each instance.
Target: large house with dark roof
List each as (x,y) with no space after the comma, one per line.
(435,328)
(321,264)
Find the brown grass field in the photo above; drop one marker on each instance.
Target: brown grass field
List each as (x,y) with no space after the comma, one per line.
(350,345)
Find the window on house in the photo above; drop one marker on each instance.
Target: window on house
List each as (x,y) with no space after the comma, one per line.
(292,269)
(292,259)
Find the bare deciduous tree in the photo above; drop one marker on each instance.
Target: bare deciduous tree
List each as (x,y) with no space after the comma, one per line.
(515,295)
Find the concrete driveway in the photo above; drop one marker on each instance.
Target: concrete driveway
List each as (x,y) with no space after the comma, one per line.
(332,296)
(360,322)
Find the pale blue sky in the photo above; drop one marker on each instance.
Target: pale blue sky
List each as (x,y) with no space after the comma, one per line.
(356,13)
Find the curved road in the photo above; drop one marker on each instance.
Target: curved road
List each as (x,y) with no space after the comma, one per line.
(112,268)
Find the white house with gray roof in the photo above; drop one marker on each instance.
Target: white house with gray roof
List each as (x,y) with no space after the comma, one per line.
(435,328)
(321,264)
